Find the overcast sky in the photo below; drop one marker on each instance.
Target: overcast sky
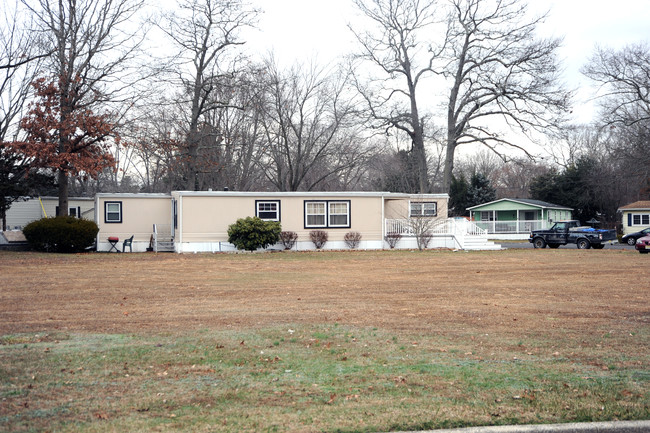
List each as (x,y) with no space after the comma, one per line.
(304,30)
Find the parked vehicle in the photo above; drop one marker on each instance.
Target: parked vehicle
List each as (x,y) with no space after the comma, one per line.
(571,232)
(631,238)
(643,244)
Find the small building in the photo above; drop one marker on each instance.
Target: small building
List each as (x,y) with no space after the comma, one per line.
(28,209)
(515,218)
(197,221)
(636,216)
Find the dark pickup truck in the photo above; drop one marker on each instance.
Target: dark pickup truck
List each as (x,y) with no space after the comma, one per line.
(570,232)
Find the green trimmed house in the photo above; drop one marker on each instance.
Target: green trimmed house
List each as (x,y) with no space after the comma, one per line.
(515,218)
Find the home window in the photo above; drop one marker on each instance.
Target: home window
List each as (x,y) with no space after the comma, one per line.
(113,212)
(73,211)
(315,214)
(423,209)
(339,214)
(267,210)
(640,219)
(335,214)
(487,215)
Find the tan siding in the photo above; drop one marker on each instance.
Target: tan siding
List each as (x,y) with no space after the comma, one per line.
(139,214)
(206,219)
(399,208)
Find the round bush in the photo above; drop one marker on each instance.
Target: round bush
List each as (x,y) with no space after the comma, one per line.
(252,233)
(61,234)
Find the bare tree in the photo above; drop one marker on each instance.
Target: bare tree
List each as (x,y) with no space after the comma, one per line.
(513,179)
(309,128)
(400,57)
(235,160)
(499,71)
(624,77)
(20,58)
(91,50)
(204,32)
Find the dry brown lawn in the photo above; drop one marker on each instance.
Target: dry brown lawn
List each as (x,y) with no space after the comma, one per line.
(322,341)
(506,292)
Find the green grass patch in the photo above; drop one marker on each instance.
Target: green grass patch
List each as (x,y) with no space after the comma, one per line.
(316,378)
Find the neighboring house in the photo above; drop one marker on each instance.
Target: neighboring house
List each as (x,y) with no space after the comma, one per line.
(29,209)
(515,218)
(636,216)
(197,221)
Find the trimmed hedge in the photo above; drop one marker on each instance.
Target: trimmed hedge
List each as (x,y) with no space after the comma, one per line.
(61,234)
(252,233)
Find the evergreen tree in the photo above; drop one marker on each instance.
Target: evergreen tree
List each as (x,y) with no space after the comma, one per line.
(480,190)
(458,196)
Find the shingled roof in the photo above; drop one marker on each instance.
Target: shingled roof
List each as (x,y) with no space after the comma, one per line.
(637,205)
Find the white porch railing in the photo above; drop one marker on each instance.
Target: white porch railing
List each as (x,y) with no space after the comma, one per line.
(521,226)
(440,226)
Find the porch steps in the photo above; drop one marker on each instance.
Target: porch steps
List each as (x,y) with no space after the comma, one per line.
(479,243)
(164,245)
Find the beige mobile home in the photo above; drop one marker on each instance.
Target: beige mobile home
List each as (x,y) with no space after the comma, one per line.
(197,221)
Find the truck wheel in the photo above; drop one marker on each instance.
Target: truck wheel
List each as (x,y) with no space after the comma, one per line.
(643,252)
(554,246)
(539,243)
(598,246)
(583,244)
(631,241)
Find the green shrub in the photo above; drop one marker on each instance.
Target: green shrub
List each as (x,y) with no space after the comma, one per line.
(252,233)
(61,234)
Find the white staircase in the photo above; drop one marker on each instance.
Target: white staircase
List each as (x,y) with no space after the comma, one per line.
(163,240)
(479,243)
(470,237)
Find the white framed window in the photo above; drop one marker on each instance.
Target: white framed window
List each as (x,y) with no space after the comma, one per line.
(113,212)
(339,214)
(327,213)
(315,214)
(423,209)
(641,219)
(267,210)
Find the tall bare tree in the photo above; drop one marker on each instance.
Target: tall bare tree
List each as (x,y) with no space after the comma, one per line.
(624,79)
(499,71)
(20,58)
(234,159)
(205,33)
(91,48)
(400,54)
(309,128)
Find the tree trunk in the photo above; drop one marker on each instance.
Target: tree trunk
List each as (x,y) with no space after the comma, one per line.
(3,217)
(63,193)
(449,162)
